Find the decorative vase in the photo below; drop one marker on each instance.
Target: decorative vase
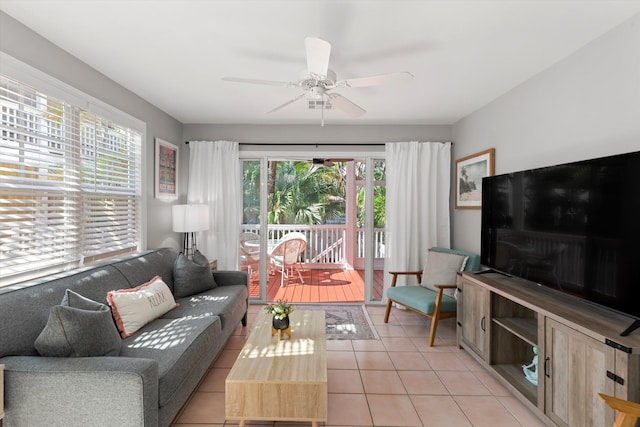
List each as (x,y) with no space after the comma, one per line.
(280,324)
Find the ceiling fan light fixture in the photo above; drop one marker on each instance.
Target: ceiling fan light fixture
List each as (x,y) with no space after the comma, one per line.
(318,82)
(316,93)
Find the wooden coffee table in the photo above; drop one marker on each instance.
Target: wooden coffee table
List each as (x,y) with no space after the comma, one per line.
(281,380)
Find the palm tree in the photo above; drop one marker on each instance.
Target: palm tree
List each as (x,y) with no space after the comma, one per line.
(302,194)
(298,193)
(251,192)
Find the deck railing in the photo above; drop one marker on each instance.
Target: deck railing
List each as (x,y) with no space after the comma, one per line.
(326,244)
(378,243)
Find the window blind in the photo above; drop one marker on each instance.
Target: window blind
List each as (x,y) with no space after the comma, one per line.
(70,184)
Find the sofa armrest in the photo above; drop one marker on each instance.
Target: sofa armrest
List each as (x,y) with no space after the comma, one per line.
(90,391)
(230,277)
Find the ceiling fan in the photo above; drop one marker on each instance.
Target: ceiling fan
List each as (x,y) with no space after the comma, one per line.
(317,82)
(317,162)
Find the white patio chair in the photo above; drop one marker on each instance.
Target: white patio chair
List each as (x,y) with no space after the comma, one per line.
(249,256)
(285,256)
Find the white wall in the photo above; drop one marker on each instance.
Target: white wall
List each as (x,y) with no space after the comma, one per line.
(585,106)
(32,49)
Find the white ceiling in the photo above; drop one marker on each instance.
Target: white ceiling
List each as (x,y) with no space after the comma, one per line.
(463,54)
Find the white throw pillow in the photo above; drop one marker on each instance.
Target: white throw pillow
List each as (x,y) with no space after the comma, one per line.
(441,268)
(134,308)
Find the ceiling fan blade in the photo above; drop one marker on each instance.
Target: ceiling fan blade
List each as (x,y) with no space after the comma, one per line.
(339,160)
(259,82)
(382,79)
(318,53)
(321,162)
(286,103)
(346,106)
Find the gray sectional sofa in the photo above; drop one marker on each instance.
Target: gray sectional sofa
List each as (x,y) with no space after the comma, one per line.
(157,368)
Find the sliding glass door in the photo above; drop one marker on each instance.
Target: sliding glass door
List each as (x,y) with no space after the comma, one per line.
(335,207)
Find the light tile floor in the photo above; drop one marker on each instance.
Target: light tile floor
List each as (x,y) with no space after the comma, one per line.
(396,381)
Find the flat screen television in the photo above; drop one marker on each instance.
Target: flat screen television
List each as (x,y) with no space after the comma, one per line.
(573,227)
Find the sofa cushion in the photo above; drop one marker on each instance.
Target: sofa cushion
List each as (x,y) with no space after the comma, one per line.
(143,267)
(192,276)
(441,268)
(79,327)
(133,308)
(177,345)
(223,301)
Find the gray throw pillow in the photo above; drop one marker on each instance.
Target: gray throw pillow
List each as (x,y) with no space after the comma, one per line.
(441,268)
(192,276)
(79,327)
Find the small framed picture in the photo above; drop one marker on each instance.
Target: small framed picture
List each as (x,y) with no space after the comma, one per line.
(469,173)
(166,170)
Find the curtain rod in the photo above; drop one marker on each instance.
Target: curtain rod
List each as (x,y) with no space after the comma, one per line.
(316,144)
(303,144)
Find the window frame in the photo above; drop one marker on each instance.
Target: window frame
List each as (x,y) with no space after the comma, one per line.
(54,88)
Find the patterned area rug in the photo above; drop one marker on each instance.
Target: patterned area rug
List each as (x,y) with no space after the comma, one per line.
(345,322)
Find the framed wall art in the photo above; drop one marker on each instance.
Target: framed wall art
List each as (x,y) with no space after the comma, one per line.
(469,173)
(166,177)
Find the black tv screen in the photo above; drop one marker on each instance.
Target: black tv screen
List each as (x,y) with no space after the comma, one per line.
(573,227)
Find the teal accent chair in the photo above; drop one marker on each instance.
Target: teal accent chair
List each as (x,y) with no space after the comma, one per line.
(433,302)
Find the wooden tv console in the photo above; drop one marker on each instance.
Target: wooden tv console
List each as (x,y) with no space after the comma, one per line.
(580,350)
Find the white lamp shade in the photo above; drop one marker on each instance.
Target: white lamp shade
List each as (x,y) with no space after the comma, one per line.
(190,218)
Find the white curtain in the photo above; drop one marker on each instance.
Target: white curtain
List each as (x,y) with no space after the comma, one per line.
(213,180)
(417,205)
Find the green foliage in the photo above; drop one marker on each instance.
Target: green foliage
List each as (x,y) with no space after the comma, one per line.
(251,192)
(300,193)
(379,194)
(279,309)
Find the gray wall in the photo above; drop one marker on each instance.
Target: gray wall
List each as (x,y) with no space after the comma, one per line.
(351,136)
(32,49)
(585,106)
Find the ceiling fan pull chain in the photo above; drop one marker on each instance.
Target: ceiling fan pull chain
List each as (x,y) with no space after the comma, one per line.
(322,113)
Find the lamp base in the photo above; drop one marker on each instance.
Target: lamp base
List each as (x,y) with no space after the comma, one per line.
(189,246)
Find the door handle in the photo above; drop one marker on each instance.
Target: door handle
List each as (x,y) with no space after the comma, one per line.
(482,324)
(546,367)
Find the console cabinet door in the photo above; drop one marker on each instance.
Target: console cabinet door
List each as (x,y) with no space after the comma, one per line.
(575,369)
(473,316)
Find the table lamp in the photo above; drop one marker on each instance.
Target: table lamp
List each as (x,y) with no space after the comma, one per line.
(188,219)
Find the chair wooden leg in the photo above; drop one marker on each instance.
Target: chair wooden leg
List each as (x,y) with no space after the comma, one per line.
(393,284)
(434,326)
(386,313)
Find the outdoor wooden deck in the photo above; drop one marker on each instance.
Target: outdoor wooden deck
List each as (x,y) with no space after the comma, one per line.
(319,286)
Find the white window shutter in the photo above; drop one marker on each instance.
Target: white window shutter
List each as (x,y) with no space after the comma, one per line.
(70,184)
